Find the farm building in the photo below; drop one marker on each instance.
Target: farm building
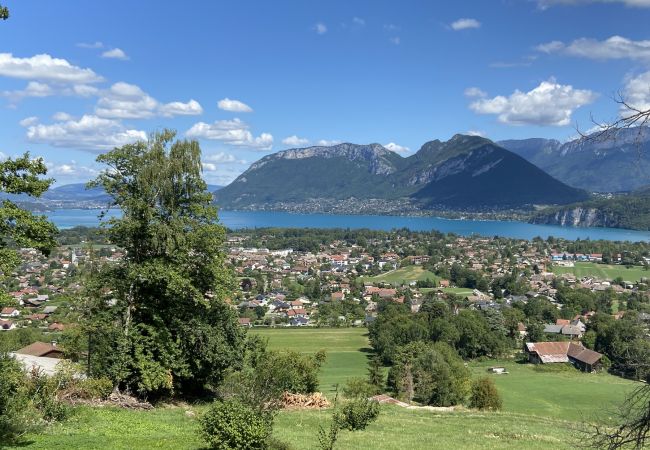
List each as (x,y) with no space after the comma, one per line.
(562,352)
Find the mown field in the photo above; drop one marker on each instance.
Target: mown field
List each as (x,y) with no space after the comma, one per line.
(347,350)
(604,271)
(405,275)
(541,410)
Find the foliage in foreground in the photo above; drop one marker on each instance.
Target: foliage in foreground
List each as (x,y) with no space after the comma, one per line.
(157,320)
(355,415)
(232,424)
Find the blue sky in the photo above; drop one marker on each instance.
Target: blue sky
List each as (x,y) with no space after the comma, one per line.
(248,78)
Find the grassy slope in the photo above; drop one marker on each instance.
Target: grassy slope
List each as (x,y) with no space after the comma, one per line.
(397,428)
(404,275)
(541,410)
(347,350)
(603,271)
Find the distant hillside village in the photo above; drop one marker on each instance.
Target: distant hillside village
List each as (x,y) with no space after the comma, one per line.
(343,279)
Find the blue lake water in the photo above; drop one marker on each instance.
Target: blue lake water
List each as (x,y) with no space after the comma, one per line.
(67,218)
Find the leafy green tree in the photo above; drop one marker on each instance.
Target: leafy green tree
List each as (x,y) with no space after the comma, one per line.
(18,226)
(158,320)
(429,373)
(234,425)
(4,12)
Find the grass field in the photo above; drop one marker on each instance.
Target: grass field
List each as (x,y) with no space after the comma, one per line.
(347,350)
(404,275)
(396,428)
(541,410)
(450,290)
(604,271)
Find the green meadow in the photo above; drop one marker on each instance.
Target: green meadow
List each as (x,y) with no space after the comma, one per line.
(404,275)
(542,409)
(604,271)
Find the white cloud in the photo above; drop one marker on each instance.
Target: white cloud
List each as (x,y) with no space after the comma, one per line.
(549,104)
(33,89)
(395,40)
(128,101)
(320,28)
(70,169)
(27,121)
(550,47)
(95,44)
(233,105)
(544,4)
(637,93)
(83,90)
(393,147)
(209,167)
(295,141)
(465,24)
(232,132)
(90,133)
(474,92)
(615,47)
(476,133)
(327,143)
(359,21)
(45,68)
(224,158)
(115,53)
(62,116)
(191,108)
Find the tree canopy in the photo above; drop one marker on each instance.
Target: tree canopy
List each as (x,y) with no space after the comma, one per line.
(158,320)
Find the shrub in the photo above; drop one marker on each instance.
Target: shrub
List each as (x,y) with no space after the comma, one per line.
(90,388)
(16,415)
(231,424)
(358,413)
(485,395)
(359,388)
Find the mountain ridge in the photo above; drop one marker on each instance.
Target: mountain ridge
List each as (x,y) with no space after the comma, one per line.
(435,176)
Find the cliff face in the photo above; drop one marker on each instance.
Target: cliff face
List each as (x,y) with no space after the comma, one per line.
(578,217)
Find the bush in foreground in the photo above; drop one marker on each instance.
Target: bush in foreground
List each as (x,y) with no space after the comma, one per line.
(233,425)
(485,395)
(358,414)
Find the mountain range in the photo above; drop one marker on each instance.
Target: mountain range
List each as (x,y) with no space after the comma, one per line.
(464,173)
(615,163)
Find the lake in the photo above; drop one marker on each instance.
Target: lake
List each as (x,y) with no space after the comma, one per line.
(68,218)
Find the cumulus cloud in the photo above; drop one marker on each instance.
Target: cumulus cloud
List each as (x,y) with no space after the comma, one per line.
(128,101)
(89,133)
(476,133)
(224,158)
(615,47)
(465,24)
(232,132)
(549,104)
(115,53)
(61,116)
(358,21)
(637,93)
(70,169)
(544,4)
(191,108)
(27,121)
(227,104)
(33,89)
(320,28)
(295,141)
(45,68)
(395,40)
(393,147)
